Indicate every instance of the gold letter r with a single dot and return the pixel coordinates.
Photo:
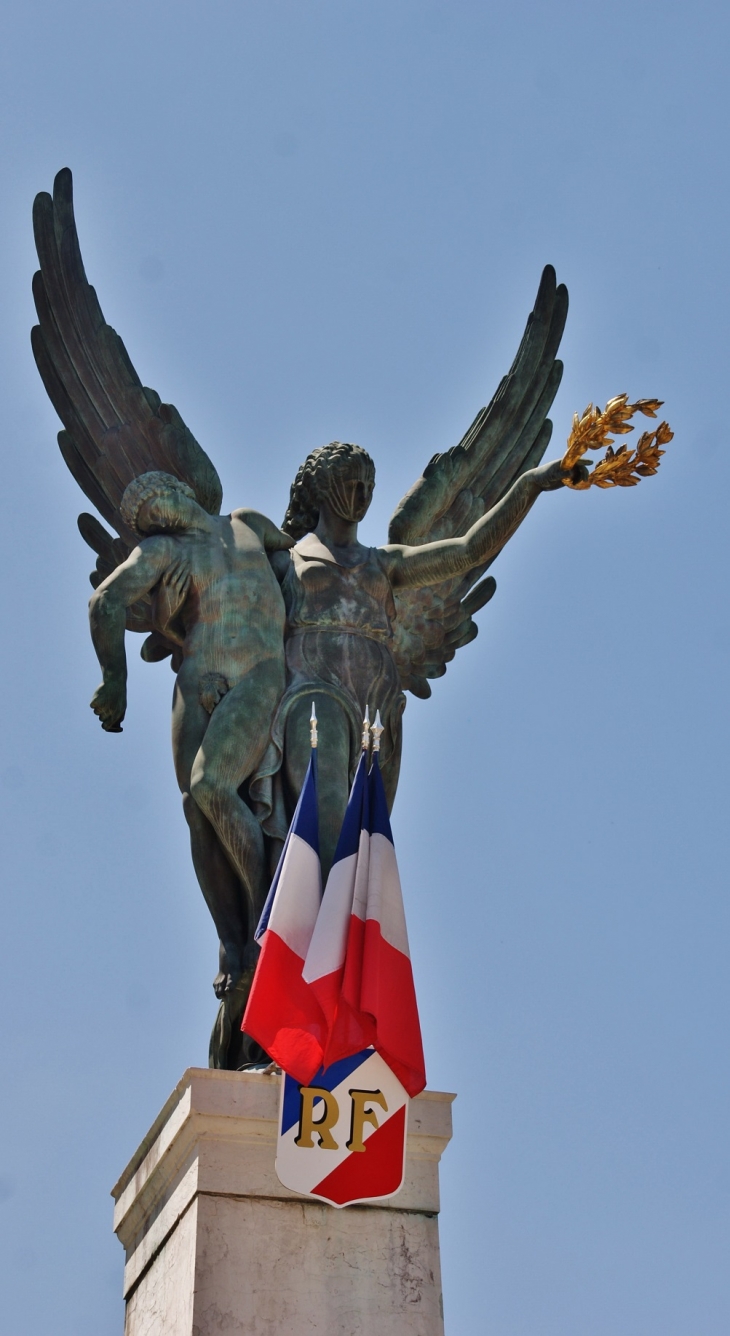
(323, 1126)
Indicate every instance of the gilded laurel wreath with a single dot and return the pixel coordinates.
(595, 430)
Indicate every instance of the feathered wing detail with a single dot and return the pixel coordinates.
(505, 439)
(115, 428)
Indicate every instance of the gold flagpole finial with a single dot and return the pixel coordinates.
(366, 729)
(313, 726)
(377, 730)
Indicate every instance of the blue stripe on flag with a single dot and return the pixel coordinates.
(379, 823)
(327, 1078)
(305, 824)
(355, 814)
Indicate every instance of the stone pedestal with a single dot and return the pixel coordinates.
(214, 1244)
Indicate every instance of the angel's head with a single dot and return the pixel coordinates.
(341, 474)
(158, 503)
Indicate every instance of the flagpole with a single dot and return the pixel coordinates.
(313, 728)
(377, 730)
(366, 729)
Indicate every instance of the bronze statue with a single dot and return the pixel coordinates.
(362, 623)
(216, 597)
(259, 622)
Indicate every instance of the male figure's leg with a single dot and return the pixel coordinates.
(233, 744)
(219, 883)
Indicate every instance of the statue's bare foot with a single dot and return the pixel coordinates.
(221, 984)
(230, 960)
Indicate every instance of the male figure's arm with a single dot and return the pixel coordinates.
(272, 538)
(107, 616)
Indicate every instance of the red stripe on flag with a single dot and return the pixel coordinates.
(350, 1030)
(387, 993)
(282, 1013)
(375, 1172)
(378, 1006)
(327, 989)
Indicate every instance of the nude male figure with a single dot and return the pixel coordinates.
(216, 595)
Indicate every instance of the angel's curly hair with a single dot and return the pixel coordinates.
(312, 482)
(152, 486)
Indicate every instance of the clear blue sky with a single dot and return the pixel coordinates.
(328, 219)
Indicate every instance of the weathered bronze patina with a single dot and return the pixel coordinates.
(215, 596)
(259, 622)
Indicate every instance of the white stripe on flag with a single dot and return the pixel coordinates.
(383, 894)
(327, 948)
(298, 896)
(362, 877)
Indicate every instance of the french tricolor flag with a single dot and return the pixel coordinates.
(358, 964)
(283, 1013)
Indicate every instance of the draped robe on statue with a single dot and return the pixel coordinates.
(339, 636)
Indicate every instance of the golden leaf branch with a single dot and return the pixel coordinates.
(596, 430)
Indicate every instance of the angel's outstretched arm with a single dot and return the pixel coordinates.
(136, 576)
(429, 563)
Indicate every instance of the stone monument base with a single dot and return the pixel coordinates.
(215, 1244)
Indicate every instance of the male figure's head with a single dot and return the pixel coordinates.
(158, 503)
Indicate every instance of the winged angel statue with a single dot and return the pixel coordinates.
(259, 621)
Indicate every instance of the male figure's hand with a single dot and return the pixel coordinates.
(109, 703)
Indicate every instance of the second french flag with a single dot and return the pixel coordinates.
(336, 977)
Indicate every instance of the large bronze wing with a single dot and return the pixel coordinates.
(457, 488)
(115, 428)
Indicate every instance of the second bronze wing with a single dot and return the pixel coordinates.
(505, 439)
